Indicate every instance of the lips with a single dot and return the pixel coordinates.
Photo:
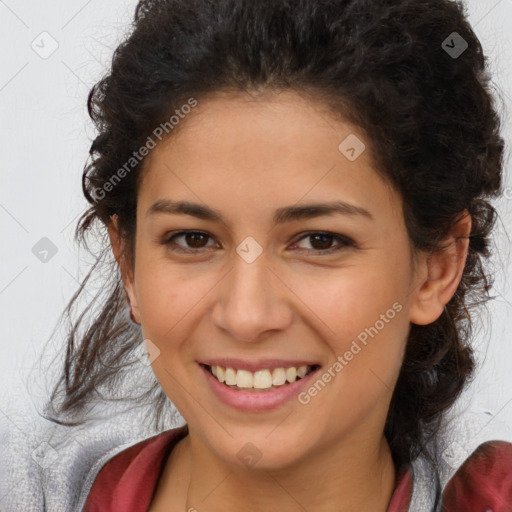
(251, 399)
(261, 364)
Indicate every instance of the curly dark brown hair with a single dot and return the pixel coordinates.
(381, 64)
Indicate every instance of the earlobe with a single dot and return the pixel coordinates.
(117, 245)
(443, 270)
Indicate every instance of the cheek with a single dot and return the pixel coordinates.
(166, 293)
(349, 300)
(362, 318)
(367, 350)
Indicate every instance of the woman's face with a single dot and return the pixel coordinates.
(262, 289)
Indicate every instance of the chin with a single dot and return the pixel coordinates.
(261, 451)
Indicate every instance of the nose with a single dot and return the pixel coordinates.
(253, 301)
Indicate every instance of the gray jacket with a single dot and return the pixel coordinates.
(49, 467)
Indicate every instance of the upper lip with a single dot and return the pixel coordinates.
(261, 364)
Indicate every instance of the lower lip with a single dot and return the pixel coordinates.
(256, 401)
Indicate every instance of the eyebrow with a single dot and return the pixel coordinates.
(281, 215)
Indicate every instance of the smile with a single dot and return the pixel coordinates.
(261, 388)
(261, 380)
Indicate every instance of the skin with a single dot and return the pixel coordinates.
(246, 157)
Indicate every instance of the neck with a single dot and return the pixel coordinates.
(343, 478)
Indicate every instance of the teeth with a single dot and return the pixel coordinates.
(261, 379)
(230, 377)
(244, 379)
(291, 374)
(278, 376)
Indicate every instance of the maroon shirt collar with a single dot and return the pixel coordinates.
(128, 480)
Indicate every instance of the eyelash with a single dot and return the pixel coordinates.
(346, 242)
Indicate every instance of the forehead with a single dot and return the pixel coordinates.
(276, 148)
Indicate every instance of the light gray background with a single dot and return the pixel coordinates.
(45, 136)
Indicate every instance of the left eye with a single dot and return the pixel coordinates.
(325, 239)
(195, 240)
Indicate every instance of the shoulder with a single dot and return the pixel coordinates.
(128, 479)
(483, 482)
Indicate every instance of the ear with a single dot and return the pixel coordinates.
(440, 274)
(117, 243)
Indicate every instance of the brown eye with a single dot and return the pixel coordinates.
(321, 242)
(194, 240)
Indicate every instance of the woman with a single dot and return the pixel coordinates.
(297, 198)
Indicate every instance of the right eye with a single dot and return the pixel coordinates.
(195, 238)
